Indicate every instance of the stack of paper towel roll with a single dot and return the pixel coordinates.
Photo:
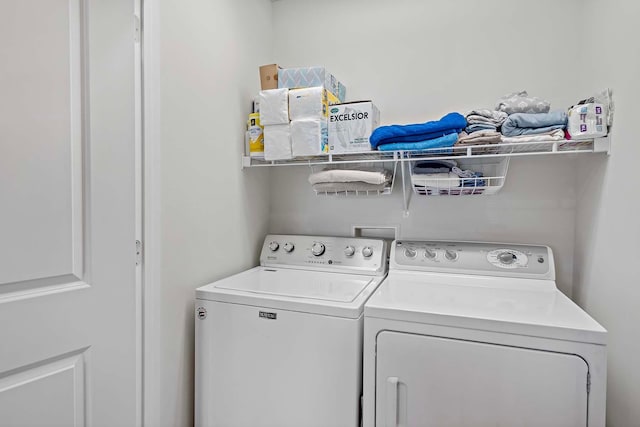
(295, 122)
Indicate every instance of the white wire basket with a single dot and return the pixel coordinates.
(493, 170)
(387, 190)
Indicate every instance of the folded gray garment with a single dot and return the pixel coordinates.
(486, 116)
(368, 175)
(342, 187)
(521, 102)
(531, 124)
(479, 138)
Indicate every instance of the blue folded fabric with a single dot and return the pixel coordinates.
(531, 123)
(451, 123)
(479, 126)
(443, 141)
(473, 182)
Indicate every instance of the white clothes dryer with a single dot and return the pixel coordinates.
(477, 334)
(281, 344)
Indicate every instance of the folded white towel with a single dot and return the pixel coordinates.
(436, 180)
(370, 176)
(554, 135)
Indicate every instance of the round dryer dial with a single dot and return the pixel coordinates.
(507, 258)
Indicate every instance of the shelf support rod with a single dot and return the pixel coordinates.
(405, 194)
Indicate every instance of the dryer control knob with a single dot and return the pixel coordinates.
(451, 255)
(410, 253)
(430, 253)
(289, 247)
(274, 246)
(367, 251)
(349, 251)
(317, 248)
(507, 258)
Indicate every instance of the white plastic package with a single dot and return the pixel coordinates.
(307, 103)
(309, 137)
(277, 142)
(587, 121)
(274, 107)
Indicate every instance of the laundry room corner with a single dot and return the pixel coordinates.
(608, 208)
(207, 217)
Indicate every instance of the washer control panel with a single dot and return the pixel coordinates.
(337, 254)
(496, 259)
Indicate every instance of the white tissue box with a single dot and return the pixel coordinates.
(351, 125)
(274, 107)
(277, 142)
(309, 137)
(310, 103)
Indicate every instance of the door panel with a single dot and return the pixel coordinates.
(431, 381)
(55, 390)
(68, 310)
(40, 131)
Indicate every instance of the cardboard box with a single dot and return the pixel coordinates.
(269, 76)
(294, 78)
(351, 125)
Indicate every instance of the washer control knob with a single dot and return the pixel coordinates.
(410, 253)
(289, 247)
(451, 255)
(429, 253)
(317, 248)
(274, 246)
(367, 252)
(349, 251)
(507, 258)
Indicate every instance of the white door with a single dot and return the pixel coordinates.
(430, 381)
(68, 319)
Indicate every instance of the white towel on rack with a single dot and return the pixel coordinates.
(436, 180)
(554, 135)
(342, 187)
(370, 176)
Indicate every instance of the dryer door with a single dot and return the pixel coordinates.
(432, 381)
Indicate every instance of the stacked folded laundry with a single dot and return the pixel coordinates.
(421, 136)
(530, 119)
(443, 176)
(478, 120)
(351, 180)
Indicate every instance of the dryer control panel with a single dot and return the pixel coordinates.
(335, 254)
(494, 259)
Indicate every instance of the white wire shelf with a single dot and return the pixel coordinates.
(493, 176)
(598, 145)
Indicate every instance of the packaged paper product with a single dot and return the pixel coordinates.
(310, 103)
(309, 137)
(277, 142)
(351, 125)
(587, 121)
(300, 77)
(274, 107)
(256, 137)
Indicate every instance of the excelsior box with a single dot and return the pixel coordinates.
(351, 125)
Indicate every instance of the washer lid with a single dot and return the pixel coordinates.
(486, 303)
(300, 290)
(299, 284)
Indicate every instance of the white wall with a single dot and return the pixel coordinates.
(417, 61)
(608, 210)
(213, 215)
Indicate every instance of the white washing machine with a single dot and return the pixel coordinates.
(477, 334)
(281, 344)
